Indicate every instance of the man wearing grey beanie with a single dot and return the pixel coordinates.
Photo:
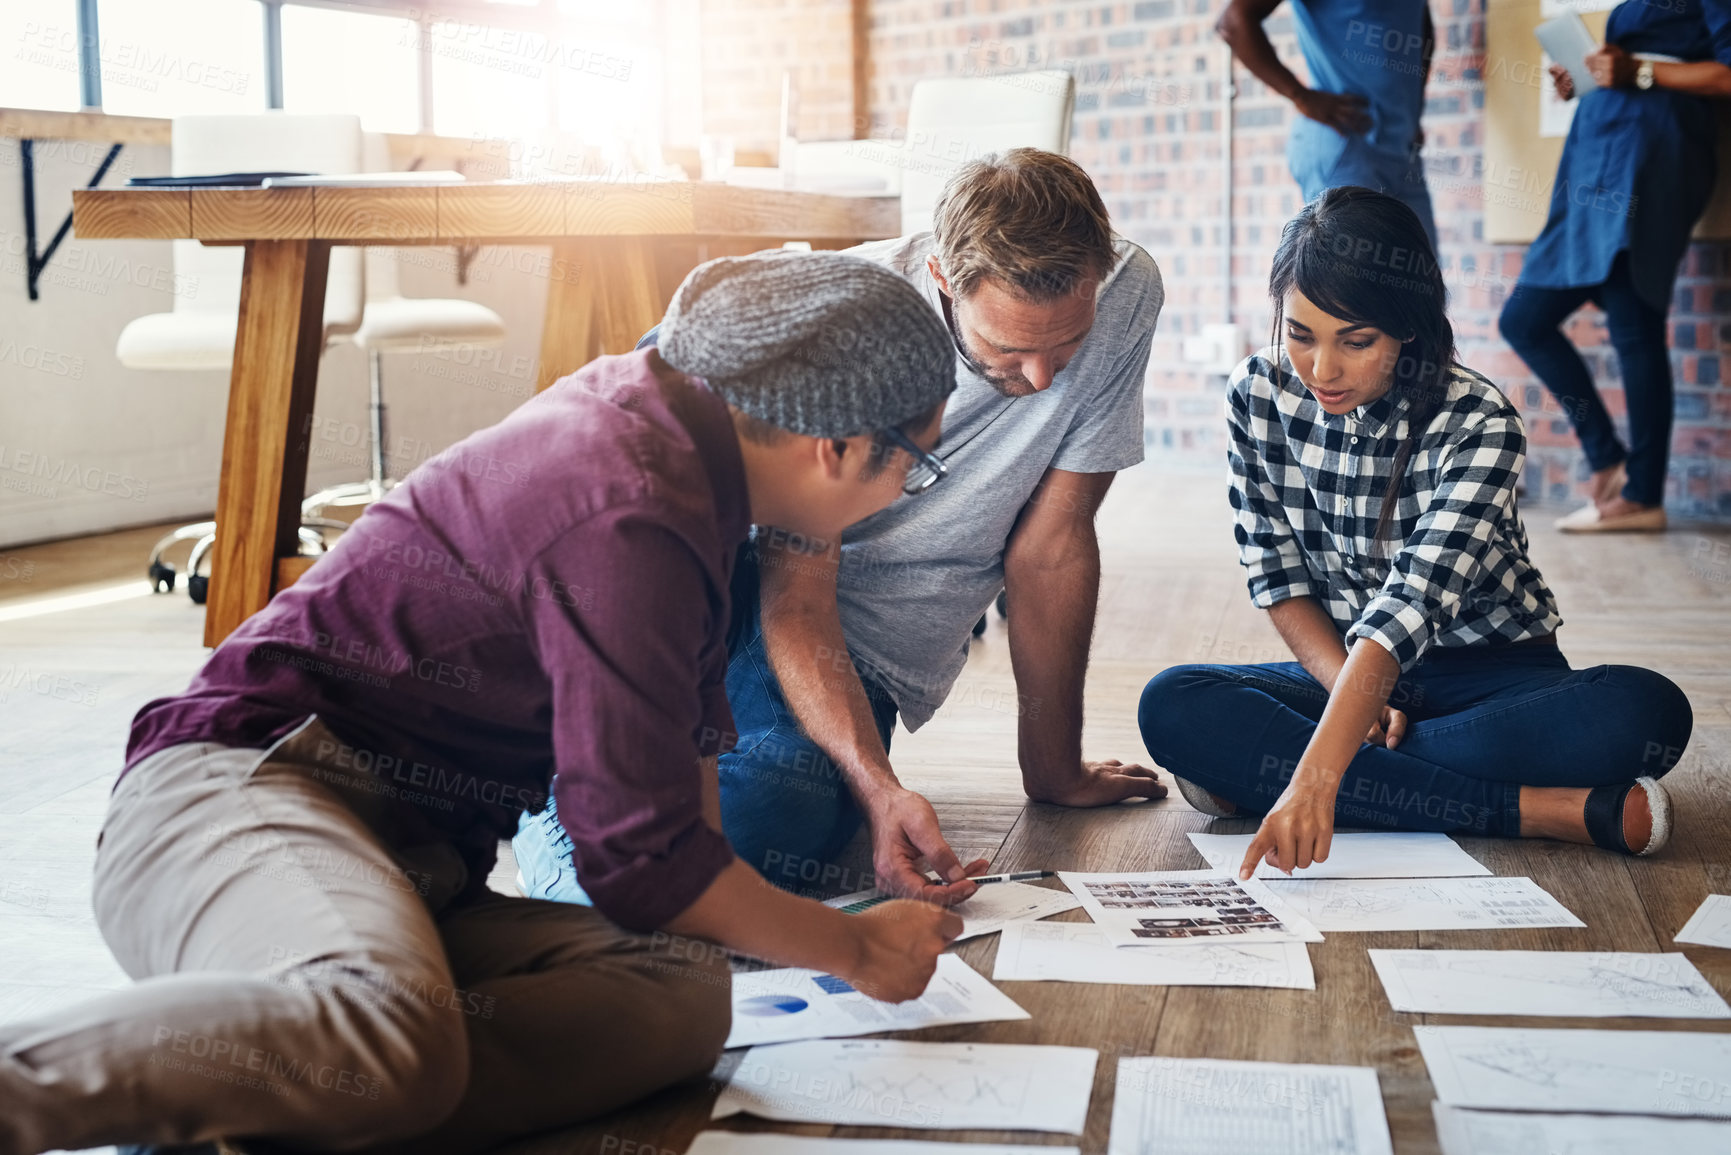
(294, 862)
(1050, 318)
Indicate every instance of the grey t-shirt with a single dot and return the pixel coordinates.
(915, 577)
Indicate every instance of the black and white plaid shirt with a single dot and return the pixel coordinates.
(1306, 492)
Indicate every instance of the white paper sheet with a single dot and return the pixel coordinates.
(779, 1006)
(1710, 925)
(1220, 1107)
(1627, 1072)
(1462, 1132)
(775, 1143)
(1168, 908)
(1367, 904)
(1591, 984)
(1381, 854)
(891, 1083)
(986, 913)
(1079, 952)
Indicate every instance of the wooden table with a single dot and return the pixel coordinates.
(618, 248)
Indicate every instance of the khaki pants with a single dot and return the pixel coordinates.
(304, 973)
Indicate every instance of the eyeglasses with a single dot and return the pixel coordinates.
(928, 468)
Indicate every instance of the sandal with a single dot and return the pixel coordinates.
(1604, 815)
(1203, 801)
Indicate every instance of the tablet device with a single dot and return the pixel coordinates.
(1566, 39)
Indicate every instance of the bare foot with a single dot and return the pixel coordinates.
(1606, 484)
(1619, 506)
(1560, 813)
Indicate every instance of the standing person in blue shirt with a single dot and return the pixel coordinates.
(1636, 173)
(1368, 65)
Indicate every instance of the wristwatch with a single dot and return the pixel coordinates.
(1644, 75)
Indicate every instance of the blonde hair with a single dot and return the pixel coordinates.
(1029, 218)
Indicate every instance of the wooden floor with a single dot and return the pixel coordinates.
(1172, 593)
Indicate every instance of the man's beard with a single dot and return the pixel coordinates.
(1012, 386)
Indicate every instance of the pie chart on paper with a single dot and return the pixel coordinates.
(770, 1006)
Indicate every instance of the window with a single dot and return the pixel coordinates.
(608, 89)
(173, 57)
(489, 80)
(39, 48)
(335, 61)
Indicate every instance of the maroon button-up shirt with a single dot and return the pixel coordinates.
(541, 607)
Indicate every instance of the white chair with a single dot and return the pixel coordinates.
(199, 332)
(393, 323)
(953, 121)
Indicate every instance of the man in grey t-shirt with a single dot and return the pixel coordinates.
(1052, 317)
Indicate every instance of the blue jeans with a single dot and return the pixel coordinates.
(1322, 161)
(1530, 323)
(785, 806)
(1483, 722)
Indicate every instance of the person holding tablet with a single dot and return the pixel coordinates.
(1373, 484)
(1636, 172)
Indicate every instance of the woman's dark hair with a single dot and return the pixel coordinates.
(1364, 257)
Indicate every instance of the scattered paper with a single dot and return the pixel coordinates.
(779, 1006)
(992, 906)
(1461, 1132)
(1366, 904)
(1181, 907)
(1628, 1072)
(1220, 1107)
(1590, 984)
(774, 1143)
(890, 1083)
(1381, 854)
(1710, 925)
(1079, 952)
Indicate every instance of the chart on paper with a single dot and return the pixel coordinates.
(1628, 1072)
(1079, 952)
(1594, 984)
(1223, 1107)
(778, 1006)
(888, 1082)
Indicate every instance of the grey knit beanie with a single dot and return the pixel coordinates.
(822, 344)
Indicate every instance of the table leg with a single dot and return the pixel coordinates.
(264, 450)
(632, 303)
(570, 335)
(604, 293)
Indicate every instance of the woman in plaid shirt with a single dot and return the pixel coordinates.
(1373, 482)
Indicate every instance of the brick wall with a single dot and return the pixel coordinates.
(748, 45)
(1148, 129)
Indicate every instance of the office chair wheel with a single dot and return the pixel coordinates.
(1003, 603)
(980, 626)
(198, 587)
(161, 576)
